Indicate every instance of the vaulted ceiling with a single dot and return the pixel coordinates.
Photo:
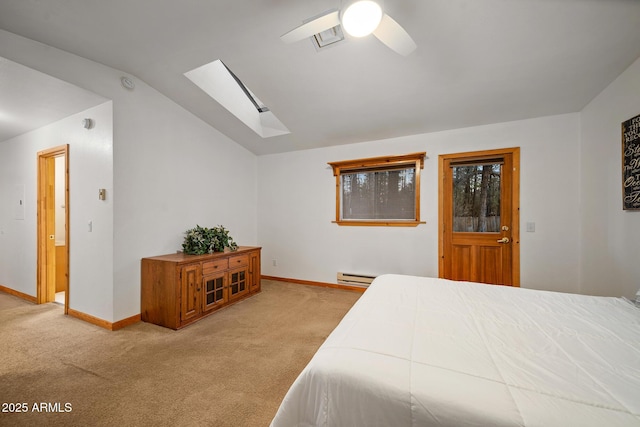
(477, 61)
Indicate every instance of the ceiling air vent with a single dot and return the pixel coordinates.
(328, 37)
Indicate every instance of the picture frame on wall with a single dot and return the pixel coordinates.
(631, 163)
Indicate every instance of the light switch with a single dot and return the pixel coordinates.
(90, 226)
(18, 196)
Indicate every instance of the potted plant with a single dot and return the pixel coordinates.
(203, 240)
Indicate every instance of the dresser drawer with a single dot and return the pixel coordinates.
(238, 261)
(210, 267)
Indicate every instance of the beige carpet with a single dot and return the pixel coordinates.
(230, 369)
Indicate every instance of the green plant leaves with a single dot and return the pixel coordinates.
(203, 240)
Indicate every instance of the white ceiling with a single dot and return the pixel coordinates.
(30, 99)
(477, 61)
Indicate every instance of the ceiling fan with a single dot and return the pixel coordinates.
(359, 19)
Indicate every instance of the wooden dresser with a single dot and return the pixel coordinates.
(178, 289)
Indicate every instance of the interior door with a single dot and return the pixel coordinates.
(47, 259)
(479, 217)
(50, 229)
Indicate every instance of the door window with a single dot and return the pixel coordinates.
(476, 197)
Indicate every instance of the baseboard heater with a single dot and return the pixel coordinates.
(355, 279)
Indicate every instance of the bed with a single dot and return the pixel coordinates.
(416, 351)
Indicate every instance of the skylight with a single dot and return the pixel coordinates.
(220, 83)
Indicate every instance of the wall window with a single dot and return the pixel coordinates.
(379, 190)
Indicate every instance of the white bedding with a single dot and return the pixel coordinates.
(417, 351)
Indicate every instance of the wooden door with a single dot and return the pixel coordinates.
(238, 283)
(190, 291)
(47, 263)
(215, 290)
(479, 216)
(50, 228)
(254, 271)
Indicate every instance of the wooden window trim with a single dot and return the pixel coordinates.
(373, 163)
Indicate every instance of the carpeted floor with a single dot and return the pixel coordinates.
(230, 369)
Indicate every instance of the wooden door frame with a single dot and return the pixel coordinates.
(43, 215)
(515, 207)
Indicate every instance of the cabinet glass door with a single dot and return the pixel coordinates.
(238, 283)
(215, 292)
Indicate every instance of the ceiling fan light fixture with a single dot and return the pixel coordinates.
(361, 18)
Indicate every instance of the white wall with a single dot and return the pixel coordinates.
(610, 235)
(296, 204)
(90, 261)
(171, 171)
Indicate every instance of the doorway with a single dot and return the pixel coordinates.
(479, 211)
(53, 226)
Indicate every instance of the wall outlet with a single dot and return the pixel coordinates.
(275, 263)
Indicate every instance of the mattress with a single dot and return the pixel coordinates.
(417, 351)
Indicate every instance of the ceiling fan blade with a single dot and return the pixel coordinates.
(394, 36)
(310, 28)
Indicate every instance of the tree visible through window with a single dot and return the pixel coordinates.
(386, 194)
(379, 191)
(476, 198)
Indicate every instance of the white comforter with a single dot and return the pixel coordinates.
(417, 351)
